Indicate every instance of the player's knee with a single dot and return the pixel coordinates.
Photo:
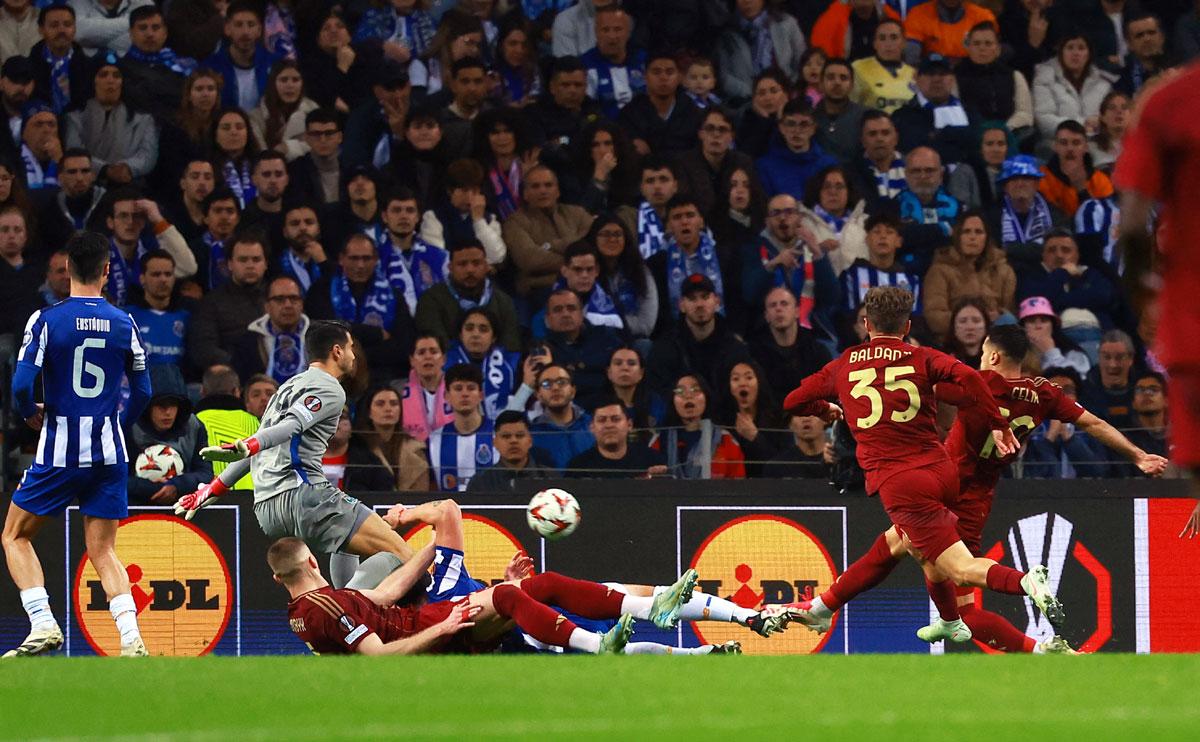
(505, 598)
(10, 538)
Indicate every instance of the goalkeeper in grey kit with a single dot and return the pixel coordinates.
(292, 497)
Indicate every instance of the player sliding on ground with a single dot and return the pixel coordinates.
(81, 346)
(292, 497)
(1026, 403)
(368, 621)
(886, 387)
(452, 581)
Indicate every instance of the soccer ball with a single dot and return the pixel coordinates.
(158, 463)
(553, 514)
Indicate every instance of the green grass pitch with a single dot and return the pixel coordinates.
(823, 697)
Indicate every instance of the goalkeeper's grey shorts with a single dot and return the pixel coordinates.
(321, 514)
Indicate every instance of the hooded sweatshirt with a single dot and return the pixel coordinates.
(187, 436)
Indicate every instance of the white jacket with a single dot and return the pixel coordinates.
(853, 238)
(293, 129)
(1055, 99)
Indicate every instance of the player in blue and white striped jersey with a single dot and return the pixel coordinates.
(462, 446)
(81, 347)
(881, 267)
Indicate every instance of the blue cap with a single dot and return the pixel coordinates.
(1021, 166)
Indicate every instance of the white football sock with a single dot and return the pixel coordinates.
(711, 608)
(637, 606)
(124, 612)
(656, 648)
(1038, 648)
(37, 604)
(584, 641)
(818, 608)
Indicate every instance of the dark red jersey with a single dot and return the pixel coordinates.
(333, 621)
(1160, 159)
(1025, 402)
(885, 388)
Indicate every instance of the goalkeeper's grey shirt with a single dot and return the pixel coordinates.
(296, 428)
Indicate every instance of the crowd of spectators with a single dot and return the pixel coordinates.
(584, 236)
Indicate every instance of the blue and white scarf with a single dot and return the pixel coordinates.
(304, 271)
(123, 274)
(411, 272)
(703, 101)
(836, 223)
(514, 85)
(499, 369)
(286, 354)
(599, 308)
(890, 183)
(507, 189)
(218, 265)
(37, 176)
(758, 31)
(950, 113)
(942, 212)
(1034, 227)
(239, 182)
(623, 291)
(680, 266)
(165, 57)
(415, 30)
(378, 308)
(651, 237)
(464, 303)
(60, 81)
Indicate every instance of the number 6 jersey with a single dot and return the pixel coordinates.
(885, 388)
(82, 346)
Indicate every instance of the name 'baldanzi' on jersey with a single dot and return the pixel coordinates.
(877, 352)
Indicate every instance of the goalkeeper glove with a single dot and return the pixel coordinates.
(230, 452)
(187, 505)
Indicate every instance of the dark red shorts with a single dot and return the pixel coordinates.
(917, 503)
(1183, 399)
(972, 507)
(431, 614)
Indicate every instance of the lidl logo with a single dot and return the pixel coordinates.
(179, 582)
(761, 559)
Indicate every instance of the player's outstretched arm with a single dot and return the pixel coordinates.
(460, 618)
(187, 506)
(265, 438)
(1150, 464)
(811, 397)
(396, 585)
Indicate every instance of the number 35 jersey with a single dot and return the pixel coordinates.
(1025, 402)
(83, 347)
(885, 388)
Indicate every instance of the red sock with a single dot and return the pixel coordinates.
(1004, 580)
(993, 630)
(868, 571)
(943, 596)
(588, 599)
(539, 621)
